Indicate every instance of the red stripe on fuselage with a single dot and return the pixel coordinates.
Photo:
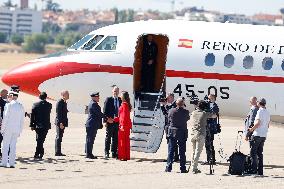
(30, 75)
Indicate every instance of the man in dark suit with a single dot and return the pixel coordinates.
(40, 122)
(249, 122)
(177, 134)
(61, 121)
(94, 122)
(3, 101)
(166, 107)
(111, 107)
(149, 56)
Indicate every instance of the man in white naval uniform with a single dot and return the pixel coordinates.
(12, 126)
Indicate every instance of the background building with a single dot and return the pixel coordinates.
(20, 21)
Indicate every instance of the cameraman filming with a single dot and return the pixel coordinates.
(166, 105)
(213, 127)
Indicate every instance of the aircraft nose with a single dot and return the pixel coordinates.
(27, 76)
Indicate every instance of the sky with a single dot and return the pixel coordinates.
(248, 7)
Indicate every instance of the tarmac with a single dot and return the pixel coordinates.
(142, 171)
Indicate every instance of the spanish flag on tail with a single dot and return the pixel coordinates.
(185, 43)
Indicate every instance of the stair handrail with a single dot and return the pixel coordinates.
(159, 96)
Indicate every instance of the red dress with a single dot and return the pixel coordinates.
(124, 132)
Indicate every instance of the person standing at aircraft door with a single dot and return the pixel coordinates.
(177, 134)
(111, 107)
(93, 123)
(40, 122)
(12, 126)
(3, 101)
(165, 107)
(149, 55)
(124, 127)
(61, 121)
(212, 129)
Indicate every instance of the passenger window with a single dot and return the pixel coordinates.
(267, 63)
(248, 62)
(210, 59)
(282, 65)
(229, 60)
(108, 44)
(92, 42)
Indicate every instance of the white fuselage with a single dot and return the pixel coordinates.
(186, 68)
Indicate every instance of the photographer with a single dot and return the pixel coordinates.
(249, 122)
(213, 127)
(198, 122)
(166, 105)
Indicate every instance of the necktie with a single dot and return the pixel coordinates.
(115, 105)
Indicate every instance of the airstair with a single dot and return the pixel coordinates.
(148, 123)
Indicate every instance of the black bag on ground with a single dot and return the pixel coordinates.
(237, 163)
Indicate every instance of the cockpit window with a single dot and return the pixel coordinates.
(108, 44)
(81, 42)
(92, 42)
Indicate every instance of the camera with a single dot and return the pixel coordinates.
(193, 99)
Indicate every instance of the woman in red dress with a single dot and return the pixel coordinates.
(124, 127)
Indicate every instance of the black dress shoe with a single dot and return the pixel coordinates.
(168, 171)
(106, 156)
(12, 167)
(184, 171)
(36, 157)
(114, 156)
(91, 156)
(59, 154)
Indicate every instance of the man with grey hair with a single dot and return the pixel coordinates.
(111, 107)
(61, 121)
(166, 105)
(177, 134)
(249, 122)
(259, 133)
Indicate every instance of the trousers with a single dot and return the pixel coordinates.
(40, 138)
(111, 138)
(197, 147)
(58, 139)
(9, 142)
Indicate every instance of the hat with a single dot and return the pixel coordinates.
(95, 94)
(14, 90)
(262, 101)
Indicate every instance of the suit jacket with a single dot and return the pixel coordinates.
(95, 116)
(149, 52)
(40, 116)
(2, 105)
(109, 109)
(178, 118)
(61, 113)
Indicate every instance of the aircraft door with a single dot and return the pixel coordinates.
(148, 119)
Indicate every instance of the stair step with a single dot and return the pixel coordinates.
(138, 139)
(143, 124)
(144, 116)
(141, 132)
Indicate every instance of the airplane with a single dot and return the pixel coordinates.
(195, 58)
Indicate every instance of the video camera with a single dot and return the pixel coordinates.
(193, 99)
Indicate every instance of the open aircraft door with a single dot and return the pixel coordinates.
(148, 119)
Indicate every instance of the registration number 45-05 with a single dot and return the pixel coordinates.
(191, 90)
